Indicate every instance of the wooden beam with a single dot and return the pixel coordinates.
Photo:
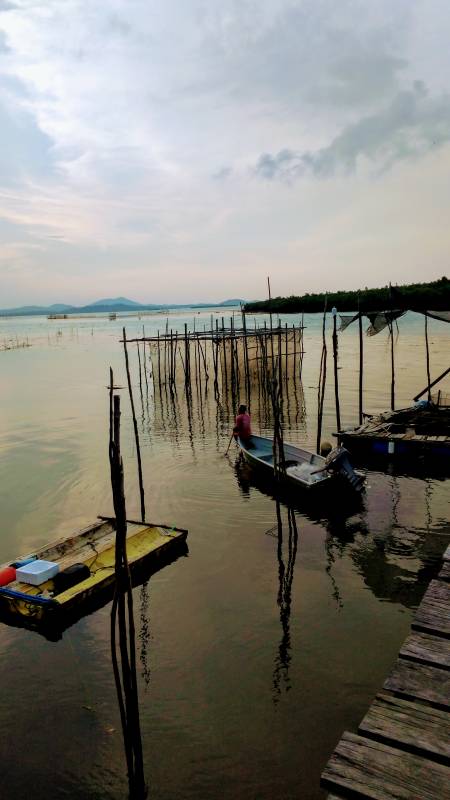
(363, 768)
(433, 616)
(427, 649)
(430, 385)
(420, 682)
(415, 727)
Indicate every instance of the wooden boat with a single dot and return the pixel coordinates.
(303, 469)
(149, 547)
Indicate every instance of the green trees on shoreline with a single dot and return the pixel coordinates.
(414, 296)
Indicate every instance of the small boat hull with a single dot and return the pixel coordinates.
(149, 548)
(304, 470)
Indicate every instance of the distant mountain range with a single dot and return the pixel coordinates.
(109, 304)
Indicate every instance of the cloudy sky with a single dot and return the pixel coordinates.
(184, 150)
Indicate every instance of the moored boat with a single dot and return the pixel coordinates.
(303, 469)
(85, 573)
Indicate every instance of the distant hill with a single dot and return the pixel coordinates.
(107, 305)
(116, 301)
(235, 302)
(60, 308)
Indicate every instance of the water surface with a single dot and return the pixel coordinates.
(255, 652)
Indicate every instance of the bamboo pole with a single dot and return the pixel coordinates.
(159, 364)
(126, 678)
(361, 366)
(428, 358)
(391, 331)
(335, 364)
(136, 432)
(145, 360)
(433, 383)
(322, 381)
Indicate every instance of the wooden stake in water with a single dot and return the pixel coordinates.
(136, 432)
(122, 613)
(361, 366)
(335, 364)
(322, 381)
(391, 330)
(428, 358)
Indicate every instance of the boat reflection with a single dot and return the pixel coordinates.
(395, 561)
(337, 508)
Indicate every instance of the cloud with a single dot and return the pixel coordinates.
(412, 124)
(222, 174)
(128, 127)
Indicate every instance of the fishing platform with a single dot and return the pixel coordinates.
(419, 430)
(402, 748)
(81, 577)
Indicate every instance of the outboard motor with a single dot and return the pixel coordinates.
(338, 461)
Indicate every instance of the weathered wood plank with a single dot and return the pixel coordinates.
(433, 614)
(444, 574)
(427, 649)
(416, 727)
(446, 555)
(365, 768)
(420, 682)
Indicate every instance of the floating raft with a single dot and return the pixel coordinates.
(149, 547)
(402, 749)
(411, 431)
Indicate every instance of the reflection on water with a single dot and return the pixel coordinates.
(145, 635)
(286, 564)
(256, 651)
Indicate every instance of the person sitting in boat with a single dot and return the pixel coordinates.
(242, 427)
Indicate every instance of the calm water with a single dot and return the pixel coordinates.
(255, 653)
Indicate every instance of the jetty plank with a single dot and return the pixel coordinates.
(368, 769)
(427, 649)
(444, 574)
(433, 613)
(446, 555)
(415, 727)
(420, 682)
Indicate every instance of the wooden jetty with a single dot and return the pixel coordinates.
(402, 748)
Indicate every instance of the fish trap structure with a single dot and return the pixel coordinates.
(236, 359)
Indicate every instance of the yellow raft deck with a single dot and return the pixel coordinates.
(149, 547)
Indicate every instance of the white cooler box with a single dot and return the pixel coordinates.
(37, 572)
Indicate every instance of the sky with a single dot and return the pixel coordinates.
(183, 151)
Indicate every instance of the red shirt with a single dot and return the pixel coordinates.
(243, 428)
